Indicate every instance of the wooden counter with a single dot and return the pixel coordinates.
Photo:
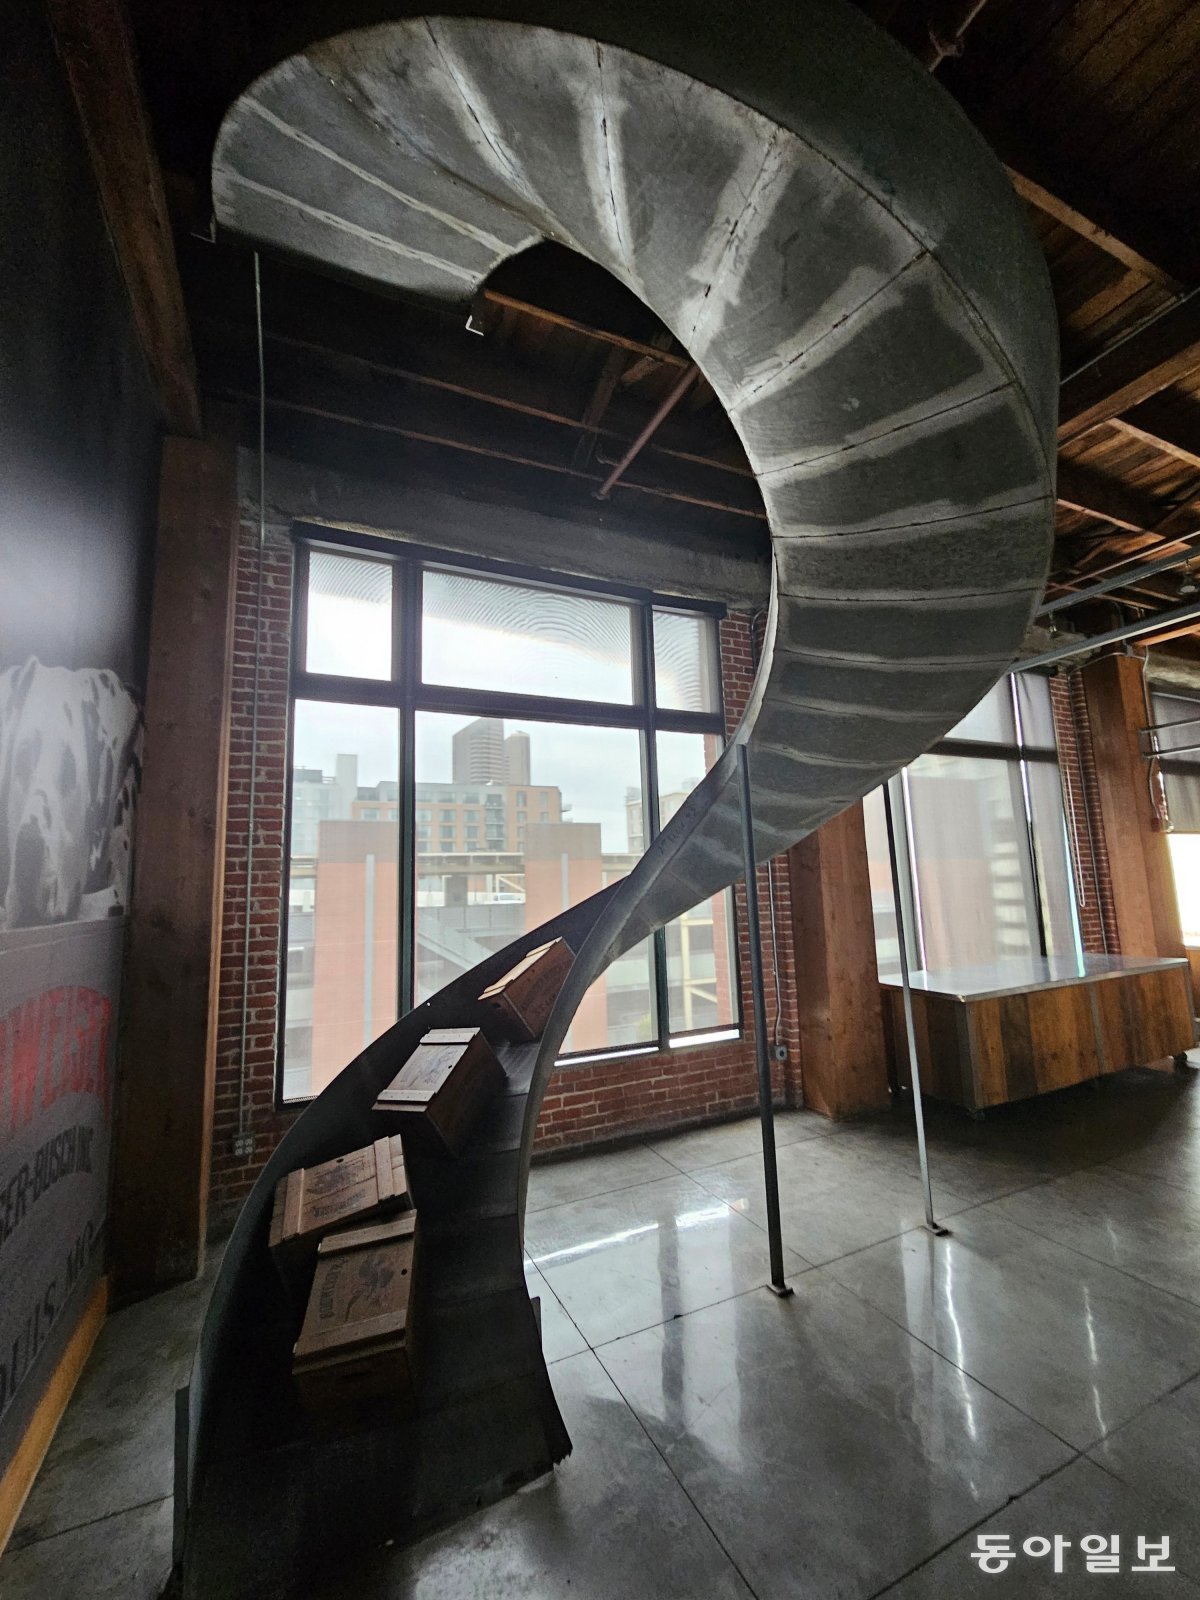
(987, 1035)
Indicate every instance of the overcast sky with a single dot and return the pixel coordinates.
(586, 658)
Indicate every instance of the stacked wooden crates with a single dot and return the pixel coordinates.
(345, 1235)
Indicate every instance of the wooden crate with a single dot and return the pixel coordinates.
(312, 1201)
(357, 1343)
(444, 1085)
(519, 1003)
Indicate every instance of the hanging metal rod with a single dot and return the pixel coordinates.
(1121, 581)
(1131, 630)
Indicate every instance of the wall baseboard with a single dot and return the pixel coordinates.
(18, 1478)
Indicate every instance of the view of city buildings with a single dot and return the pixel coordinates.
(495, 855)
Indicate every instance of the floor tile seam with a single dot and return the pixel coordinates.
(1136, 1416)
(682, 1316)
(894, 1583)
(90, 1522)
(600, 1194)
(808, 1266)
(654, 1445)
(621, 1189)
(1151, 1177)
(805, 1264)
(1133, 1277)
(950, 1362)
(558, 1300)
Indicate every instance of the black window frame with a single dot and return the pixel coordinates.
(1017, 753)
(407, 693)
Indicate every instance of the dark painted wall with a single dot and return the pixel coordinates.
(79, 445)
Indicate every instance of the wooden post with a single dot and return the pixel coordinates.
(842, 1051)
(166, 1075)
(1143, 887)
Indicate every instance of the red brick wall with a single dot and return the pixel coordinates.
(1093, 883)
(233, 1174)
(585, 1104)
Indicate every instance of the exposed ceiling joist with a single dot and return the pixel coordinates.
(96, 48)
(638, 347)
(1119, 248)
(1099, 496)
(324, 407)
(1182, 631)
(1132, 370)
(1159, 426)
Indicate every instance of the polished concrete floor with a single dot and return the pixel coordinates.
(1034, 1374)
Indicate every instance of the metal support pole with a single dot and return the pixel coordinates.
(762, 1057)
(914, 1066)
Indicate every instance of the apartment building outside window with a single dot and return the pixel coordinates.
(540, 722)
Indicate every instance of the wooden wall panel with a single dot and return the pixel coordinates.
(165, 1083)
(843, 1059)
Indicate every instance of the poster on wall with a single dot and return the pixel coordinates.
(70, 763)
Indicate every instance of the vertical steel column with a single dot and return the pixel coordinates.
(914, 1066)
(766, 1106)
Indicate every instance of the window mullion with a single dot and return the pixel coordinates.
(644, 660)
(407, 656)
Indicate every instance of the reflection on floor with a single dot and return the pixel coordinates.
(1036, 1374)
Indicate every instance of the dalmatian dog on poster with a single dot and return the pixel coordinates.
(70, 764)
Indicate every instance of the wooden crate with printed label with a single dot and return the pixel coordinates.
(358, 1340)
(357, 1187)
(519, 1004)
(444, 1086)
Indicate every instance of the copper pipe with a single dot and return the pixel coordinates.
(487, 397)
(639, 347)
(350, 419)
(643, 438)
(947, 41)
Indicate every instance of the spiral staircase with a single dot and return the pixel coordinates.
(818, 224)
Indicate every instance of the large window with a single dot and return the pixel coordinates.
(984, 862)
(474, 751)
(1177, 739)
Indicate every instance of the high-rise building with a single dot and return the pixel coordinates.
(482, 754)
(478, 752)
(516, 758)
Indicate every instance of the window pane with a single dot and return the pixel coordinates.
(973, 875)
(349, 616)
(685, 661)
(701, 972)
(538, 848)
(991, 721)
(1184, 713)
(1037, 714)
(879, 871)
(478, 633)
(1056, 884)
(342, 889)
(1185, 859)
(1180, 773)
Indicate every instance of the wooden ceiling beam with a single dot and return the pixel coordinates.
(225, 343)
(1132, 370)
(1120, 249)
(1097, 495)
(326, 409)
(95, 44)
(637, 347)
(1186, 630)
(1158, 426)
